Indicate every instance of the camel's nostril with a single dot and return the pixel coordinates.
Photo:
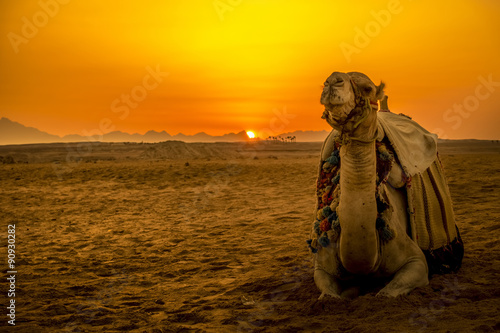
(339, 83)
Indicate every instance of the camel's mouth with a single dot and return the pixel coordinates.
(334, 119)
(326, 112)
(330, 113)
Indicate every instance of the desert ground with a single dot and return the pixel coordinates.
(175, 237)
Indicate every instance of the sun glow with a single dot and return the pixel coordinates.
(251, 134)
(136, 67)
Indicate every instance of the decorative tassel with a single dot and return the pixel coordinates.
(334, 205)
(327, 211)
(324, 197)
(336, 180)
(319, 215)
(332, 217)
(312, 249)
(314, 243)
(385, 233)
(316, 227)
(336, 226)
(324, 241)
(385, 155)
(334, 158)
(327, 166)
(325, 225)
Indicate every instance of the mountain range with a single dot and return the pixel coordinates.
(12, 132)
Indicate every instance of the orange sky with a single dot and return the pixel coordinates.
(72, 66)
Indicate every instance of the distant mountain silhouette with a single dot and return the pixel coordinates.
(12, 132)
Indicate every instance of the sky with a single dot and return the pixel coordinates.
(219, 66)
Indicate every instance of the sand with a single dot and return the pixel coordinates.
(177, 237)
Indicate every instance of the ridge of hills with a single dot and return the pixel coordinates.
(12, 132)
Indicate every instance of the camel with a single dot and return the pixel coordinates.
(361, 231)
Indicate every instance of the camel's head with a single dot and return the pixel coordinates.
(347, 95)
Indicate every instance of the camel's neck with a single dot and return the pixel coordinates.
(358, 207)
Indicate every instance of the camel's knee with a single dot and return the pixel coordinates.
(326, 283)
(412, 275)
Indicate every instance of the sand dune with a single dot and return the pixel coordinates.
(129, 238)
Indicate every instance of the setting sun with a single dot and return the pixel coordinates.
(251, 134)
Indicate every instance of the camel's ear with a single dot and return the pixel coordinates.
(380, 91)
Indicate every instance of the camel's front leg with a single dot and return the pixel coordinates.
(325, 261)
(412, 275)
(326, 283)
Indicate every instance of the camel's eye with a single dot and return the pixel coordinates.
(367, 89)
